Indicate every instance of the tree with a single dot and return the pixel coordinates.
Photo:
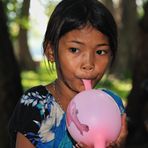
(137, 108)
(25, 58)
(10, 82)
(18, 17)
(127, 38)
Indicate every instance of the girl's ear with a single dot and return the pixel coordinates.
(49, 53)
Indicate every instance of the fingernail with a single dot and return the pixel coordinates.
(80, 144)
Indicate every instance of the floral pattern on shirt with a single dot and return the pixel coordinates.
(47, 119)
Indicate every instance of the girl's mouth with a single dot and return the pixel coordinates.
(87, 84)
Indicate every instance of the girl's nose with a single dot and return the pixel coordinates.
(88, 63)
(88, 67)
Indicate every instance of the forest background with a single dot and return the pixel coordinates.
(22, 64)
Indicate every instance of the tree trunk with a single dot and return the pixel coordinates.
(10, 82)
(25, 59)
(137, 108)
(127, 38)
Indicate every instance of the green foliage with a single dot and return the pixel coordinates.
(121, 87)
(45, 75)
(15, 18)
(42, 76)
(50, 8)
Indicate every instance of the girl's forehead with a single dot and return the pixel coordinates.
(85, 29)
(85, 33)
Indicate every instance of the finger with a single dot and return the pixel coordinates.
(79, 145)
(124, 125)
(76, 146)
(123, 119)
(123, 132)
(112, 145)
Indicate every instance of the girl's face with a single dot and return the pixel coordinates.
(83, 54)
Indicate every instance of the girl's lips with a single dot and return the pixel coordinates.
(87, 84)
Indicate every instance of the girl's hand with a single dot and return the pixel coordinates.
(81, 145)
(121, 139)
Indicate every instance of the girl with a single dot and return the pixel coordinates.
(81, 38)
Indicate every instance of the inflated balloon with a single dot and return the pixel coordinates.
(93, 118)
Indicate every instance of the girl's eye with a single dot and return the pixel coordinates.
(74, 50)
(101, 52)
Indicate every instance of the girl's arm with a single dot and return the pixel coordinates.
(22, 141)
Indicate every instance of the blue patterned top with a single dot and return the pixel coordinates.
(40, 119)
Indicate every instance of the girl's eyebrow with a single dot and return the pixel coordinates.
(77, 42)
(103, 44)
(81, 43)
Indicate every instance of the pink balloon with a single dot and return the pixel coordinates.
(93, 118)
(87, 84)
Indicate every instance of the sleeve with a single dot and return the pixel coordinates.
(117, 99)
(26, 118)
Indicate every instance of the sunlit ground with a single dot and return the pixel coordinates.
(44, 75)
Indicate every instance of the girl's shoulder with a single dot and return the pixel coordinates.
(37, 98)
(116, 98)
(40, 89)
(35, 116)
(37, 94)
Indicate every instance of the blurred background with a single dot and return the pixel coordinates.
(23, 65)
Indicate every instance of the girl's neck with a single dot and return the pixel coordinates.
(61, 92)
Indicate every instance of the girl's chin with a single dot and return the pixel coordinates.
(82, 89)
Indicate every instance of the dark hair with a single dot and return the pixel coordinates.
(75, 14)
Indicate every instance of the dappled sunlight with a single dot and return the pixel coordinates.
(42, 76)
